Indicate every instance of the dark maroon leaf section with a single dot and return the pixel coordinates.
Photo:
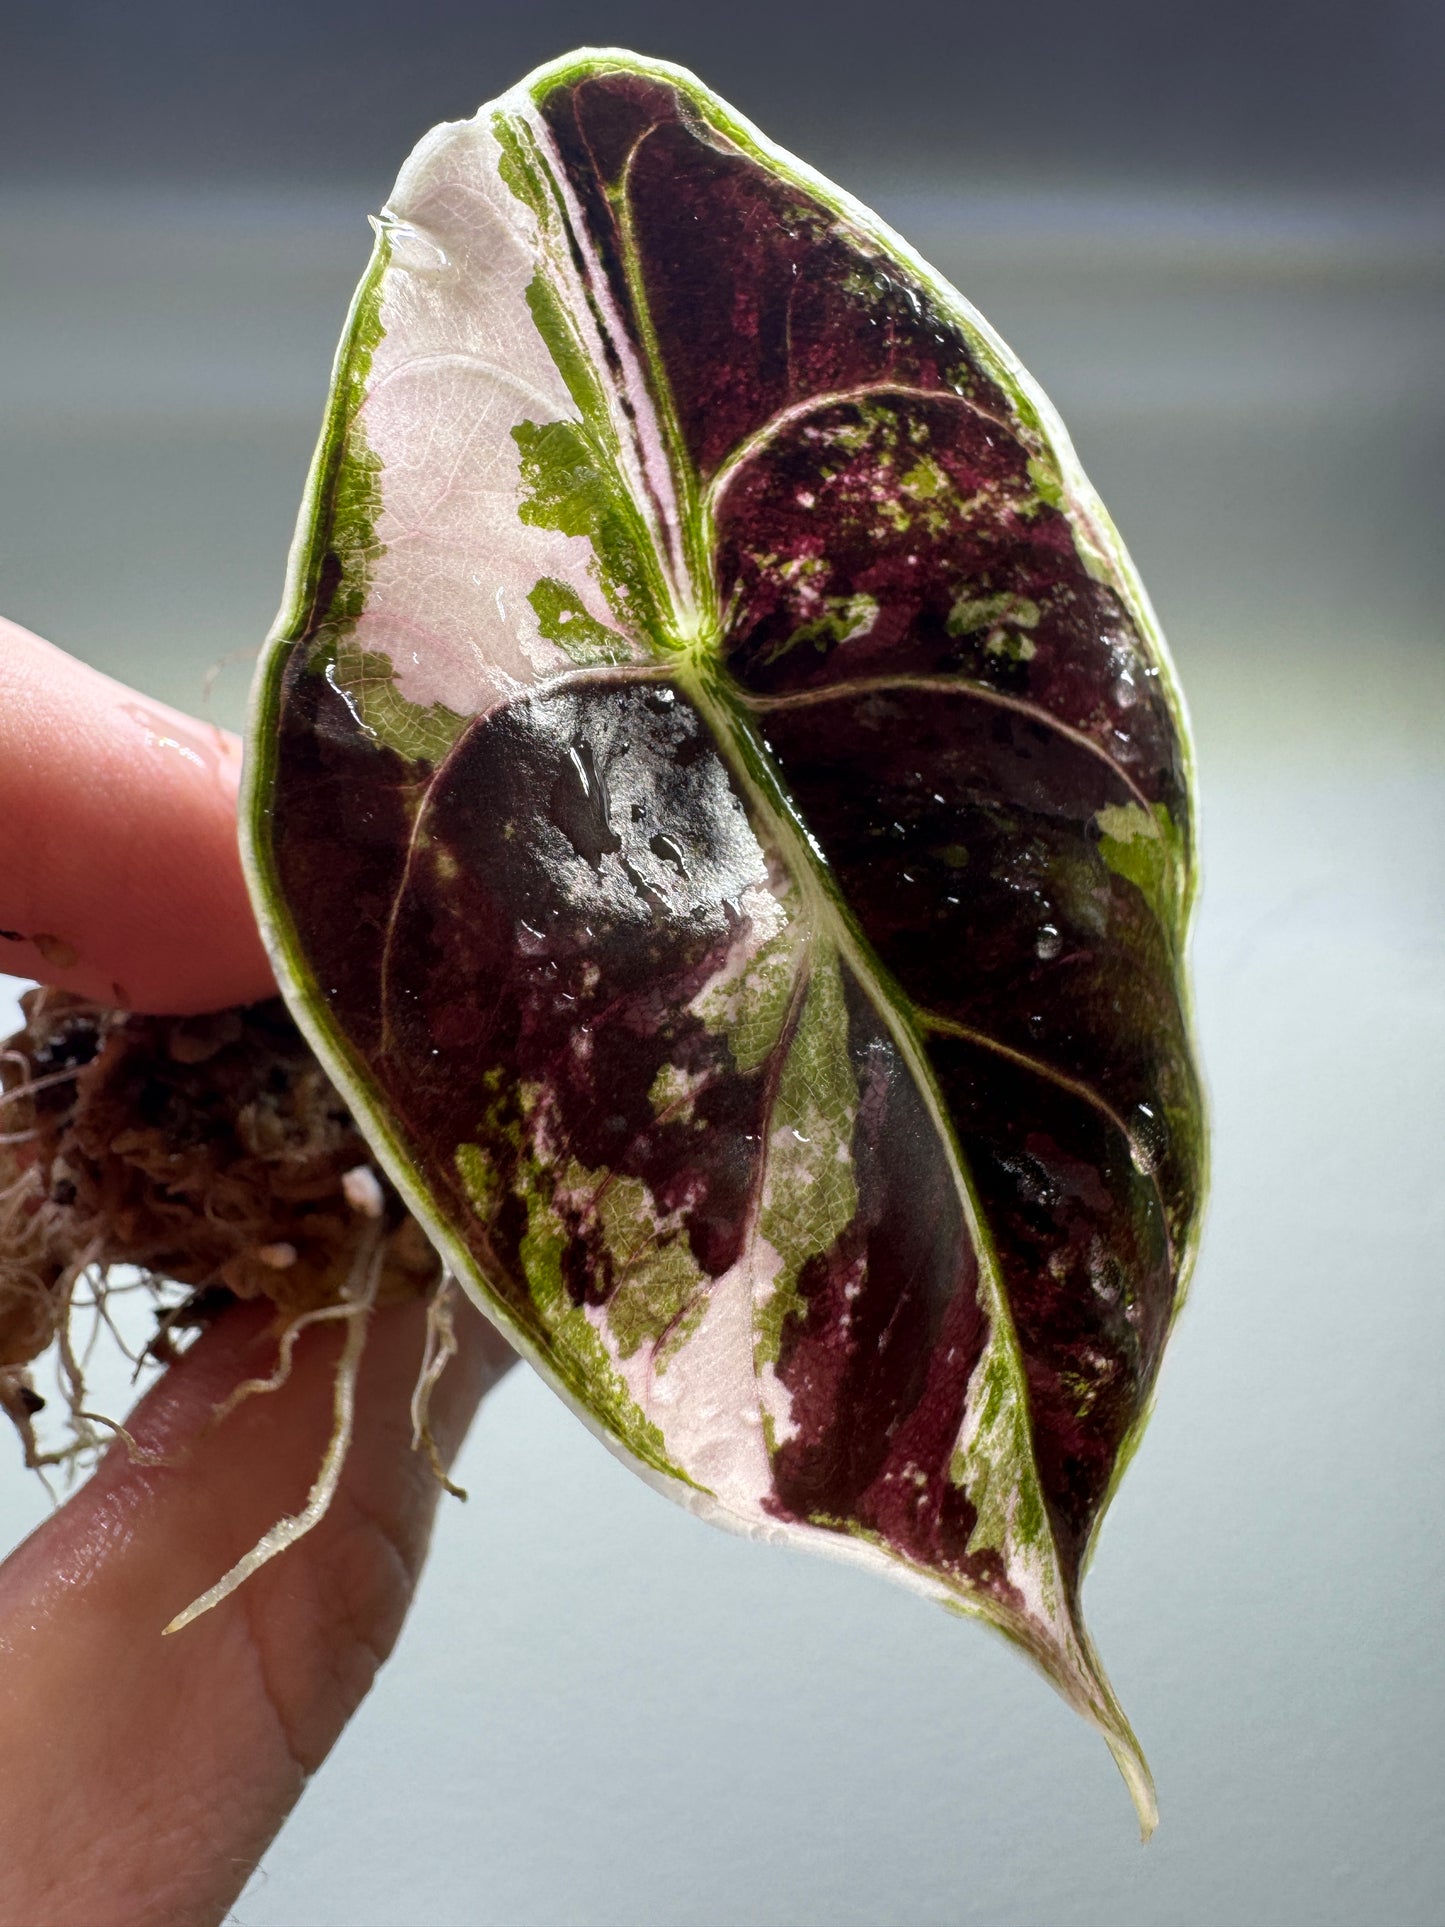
(759, 298)
(954, 829)
(878, 1362)
(921, 517)
(960, 853)
(502, 943)
(951, 696)
(534, 938)
(761, 301)
(1086, 1263)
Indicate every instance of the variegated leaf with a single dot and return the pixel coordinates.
(719, 807)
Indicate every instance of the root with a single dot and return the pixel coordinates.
(440, 1349)
(139, 1454)
(199, 1161)
(210, 1153)
(71, 1367)
(20, 1402)
(358, 1308)
(286, 1352)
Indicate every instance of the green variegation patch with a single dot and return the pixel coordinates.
(843, 618)
(750, 1007)
(809, 1196)
(367, 680)
(973, 612)
(582, 1356)
(1144, 847)
(353, 501)
(992, 1462)
(562, 619)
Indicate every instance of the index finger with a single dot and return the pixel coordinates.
(120, 876)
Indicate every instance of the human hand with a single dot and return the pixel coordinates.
(141, 1778)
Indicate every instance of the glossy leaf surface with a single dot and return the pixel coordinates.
(719, 808)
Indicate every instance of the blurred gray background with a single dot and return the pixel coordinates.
(1217, 235)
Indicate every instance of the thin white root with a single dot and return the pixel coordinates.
(85, 1439)
(440, 1349)
(357, 1311)
(31, 1084)
(138, 1453)
(286, 1352)
(100, 1305)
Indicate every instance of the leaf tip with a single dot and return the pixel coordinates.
(1078, 1674)
(1139, 1780)
(1108, 1716)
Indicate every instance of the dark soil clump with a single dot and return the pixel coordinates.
(212, 1151)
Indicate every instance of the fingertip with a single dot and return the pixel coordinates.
(120, 870)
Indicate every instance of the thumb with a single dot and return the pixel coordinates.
(144, 1776)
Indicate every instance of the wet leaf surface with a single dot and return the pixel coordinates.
(721, 812)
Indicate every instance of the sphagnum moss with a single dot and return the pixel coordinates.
(209, 1153)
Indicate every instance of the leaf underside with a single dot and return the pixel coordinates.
(719, 806)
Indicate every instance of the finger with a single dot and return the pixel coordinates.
(145, 1775)
(120, 876)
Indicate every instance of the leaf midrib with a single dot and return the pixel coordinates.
(696, 671)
